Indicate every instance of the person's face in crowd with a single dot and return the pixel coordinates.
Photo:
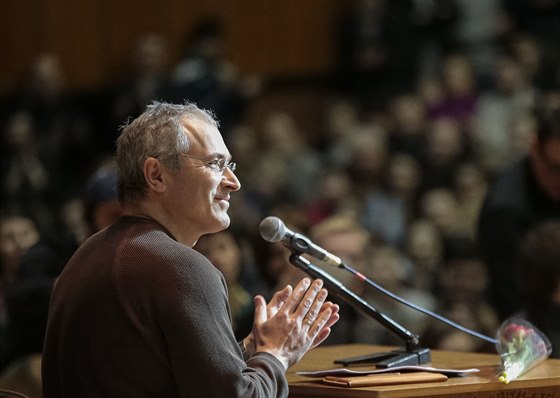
(19, 133)
(350, 246)
(521, 134)
(276, 261)
(464, 280)
(47, 77)
(440, 206)
(223, 251)
(151, 55)
(388, 269)
(335, 186)
(17, 234)
(444, 141)
(469, 180)
(341, 119)
(199, 192)
(509, 75)
(404, 175)
(546, 165)
(409, 113)
(424, 243)
(458, 75)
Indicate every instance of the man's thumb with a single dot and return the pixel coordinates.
(260, 310)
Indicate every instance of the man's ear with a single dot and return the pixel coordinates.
(154, 174)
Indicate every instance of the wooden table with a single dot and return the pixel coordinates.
(543, 381)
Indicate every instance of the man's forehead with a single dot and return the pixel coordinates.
(202, 133)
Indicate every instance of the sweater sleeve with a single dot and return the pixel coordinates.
(190, 302)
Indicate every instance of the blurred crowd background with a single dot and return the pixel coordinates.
(384, 160)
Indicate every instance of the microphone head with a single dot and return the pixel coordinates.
(272, 229)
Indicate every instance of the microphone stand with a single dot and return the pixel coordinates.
(412, 354)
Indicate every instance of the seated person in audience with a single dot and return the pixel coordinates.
(539, 259)
(343, 236)
(225, 254)
(17, 234)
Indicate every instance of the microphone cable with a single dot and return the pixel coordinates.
(423, 310)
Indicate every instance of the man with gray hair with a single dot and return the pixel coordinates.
(138, 313)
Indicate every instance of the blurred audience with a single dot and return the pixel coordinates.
(424, 247)
(441, 207)
(377, 49)
(148, 78)
(25, 174)
(205, 76)
(471, 185)
(391, 270)
(460, 92)
(462, 282)
(36, 259)
(403, 180)
(346, 238)
(57, 133)
(446, 147)
(497, 107)
(409, 127)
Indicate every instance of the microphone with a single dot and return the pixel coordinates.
(272, 229)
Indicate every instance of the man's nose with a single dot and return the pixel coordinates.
(231, 180)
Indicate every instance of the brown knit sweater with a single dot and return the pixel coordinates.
(137, 314)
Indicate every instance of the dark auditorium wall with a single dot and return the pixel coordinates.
(94, 38)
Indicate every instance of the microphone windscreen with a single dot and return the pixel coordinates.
(272, 229)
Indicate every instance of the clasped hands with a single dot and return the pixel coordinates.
(296, 320)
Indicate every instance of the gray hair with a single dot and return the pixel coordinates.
(158, 132)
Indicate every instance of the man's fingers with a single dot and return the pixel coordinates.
(335, 316)
(319, 324)
(278, 300)
(316, 306)
(321, 336)
(312, 301)
(260, 310)
(328, 317)
(296, 296)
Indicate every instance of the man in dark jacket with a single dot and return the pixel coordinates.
(524, 196)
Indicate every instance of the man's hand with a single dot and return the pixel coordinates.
(294, 321)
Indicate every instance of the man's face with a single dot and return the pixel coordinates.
(198, 195)
(546, 165)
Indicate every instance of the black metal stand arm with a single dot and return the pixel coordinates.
(412, 354)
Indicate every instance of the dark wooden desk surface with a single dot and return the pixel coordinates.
(543, 381)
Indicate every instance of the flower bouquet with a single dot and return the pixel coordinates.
(521, 346)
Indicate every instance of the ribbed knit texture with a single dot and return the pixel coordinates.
(137, 314)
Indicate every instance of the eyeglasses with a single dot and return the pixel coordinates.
(216, 164)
